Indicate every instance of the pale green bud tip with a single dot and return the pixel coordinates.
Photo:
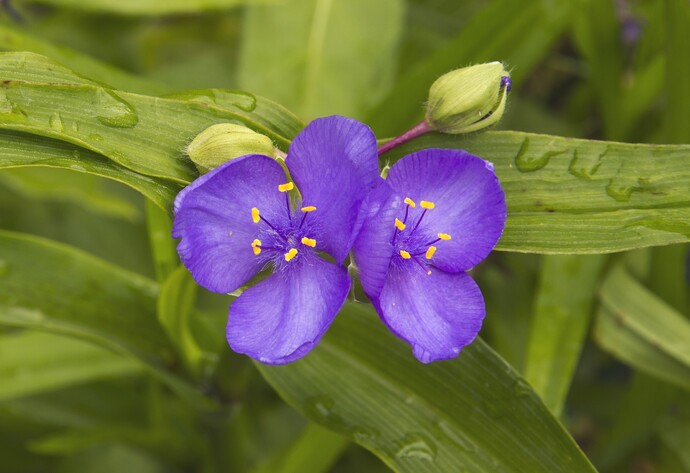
(468, 99)
(220, 143)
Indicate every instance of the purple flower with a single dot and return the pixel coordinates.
(439, 213)
(239, 219)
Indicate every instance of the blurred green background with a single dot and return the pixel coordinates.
(598, 69)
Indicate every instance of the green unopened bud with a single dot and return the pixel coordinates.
(468, 99)
(220, 143)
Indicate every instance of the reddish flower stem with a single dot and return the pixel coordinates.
(420, 129)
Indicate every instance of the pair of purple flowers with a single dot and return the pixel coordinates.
(414, 235)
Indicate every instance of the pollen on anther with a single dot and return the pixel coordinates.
(308, 208)
(290, 254)
(430, 252)
(255, 215)
(444, 236)
(399, 225)
(425, 204)
(405, 254)
(288, 186)
(410, 202)
(308, 242)
(256, 246)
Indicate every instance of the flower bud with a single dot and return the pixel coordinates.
(222, 142)
(468, 99)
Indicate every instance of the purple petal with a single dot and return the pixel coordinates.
(470, 204)
(438, 314)
(283, 317)
(334, 163)
(373, 249)
(213, 219)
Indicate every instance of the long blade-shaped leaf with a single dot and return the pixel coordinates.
(471, 414)
(148, 7)
(570, 196)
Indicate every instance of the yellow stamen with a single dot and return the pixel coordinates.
(255, 215)
(405, 254)
(425, 204)
(428, 273)
(444, 236)
(430, 252)
(399, 225)
(309, 242)
(290, 254)
(256, 246)
(308, 208)
(288, 186)
(410, 202)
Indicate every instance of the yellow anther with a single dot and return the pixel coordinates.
(425, 204)
(255, 215)
(256, 246)
(399, 225)
(430, 252)
(309, 242)
(410, 202)
(444, 236)
(308, 208)
(290, 254)
(405, 254)
(256, 242)
(288, 186)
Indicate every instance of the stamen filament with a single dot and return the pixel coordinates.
(420, 220)
(267, 222)
(306, 210)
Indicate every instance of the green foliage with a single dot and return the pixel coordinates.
(103, 368)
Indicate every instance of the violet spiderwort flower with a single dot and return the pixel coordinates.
(239, 218)
(439, 213)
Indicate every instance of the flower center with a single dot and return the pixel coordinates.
(282, 244)
(414, 245)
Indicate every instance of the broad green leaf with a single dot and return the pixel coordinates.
(471, 414)
(314, 451)
(677, 126)
(642, 330)
(145, 7)
(34, 362)
(145, 134)
(675, 441)
(559, 325)
(503, 31)
(571, 196)
(20, 149)
(81, 189)
(52, 287)
(339, 55)
(12, 39)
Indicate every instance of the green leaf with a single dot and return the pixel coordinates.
(146, 7)
(337, 58)
(642, 330)
(20, 149)
(572, 196)
(314, 451)
(14, 40)
(145, 134)
(34, 362)
(159, 226)
(559, 325)
(471, 414)
(503, 31)
(677, 28)
(52, 287)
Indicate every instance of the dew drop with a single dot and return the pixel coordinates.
(521, 388)
(9, 111)
(320, 406)
(76, 154)
(416, 446)
(365, 435)
(457, 438)
(619, 191)
(55, 122)
(586, 165)
(95, 137)
(112, 110)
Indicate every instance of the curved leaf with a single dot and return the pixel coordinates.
(470, 414)
(569, 196)
(147, 7)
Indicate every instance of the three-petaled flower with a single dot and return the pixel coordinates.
(439, 213)
(240, 218)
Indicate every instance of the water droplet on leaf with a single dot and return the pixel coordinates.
(416, 446)
(113, 110)
(56, 123)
